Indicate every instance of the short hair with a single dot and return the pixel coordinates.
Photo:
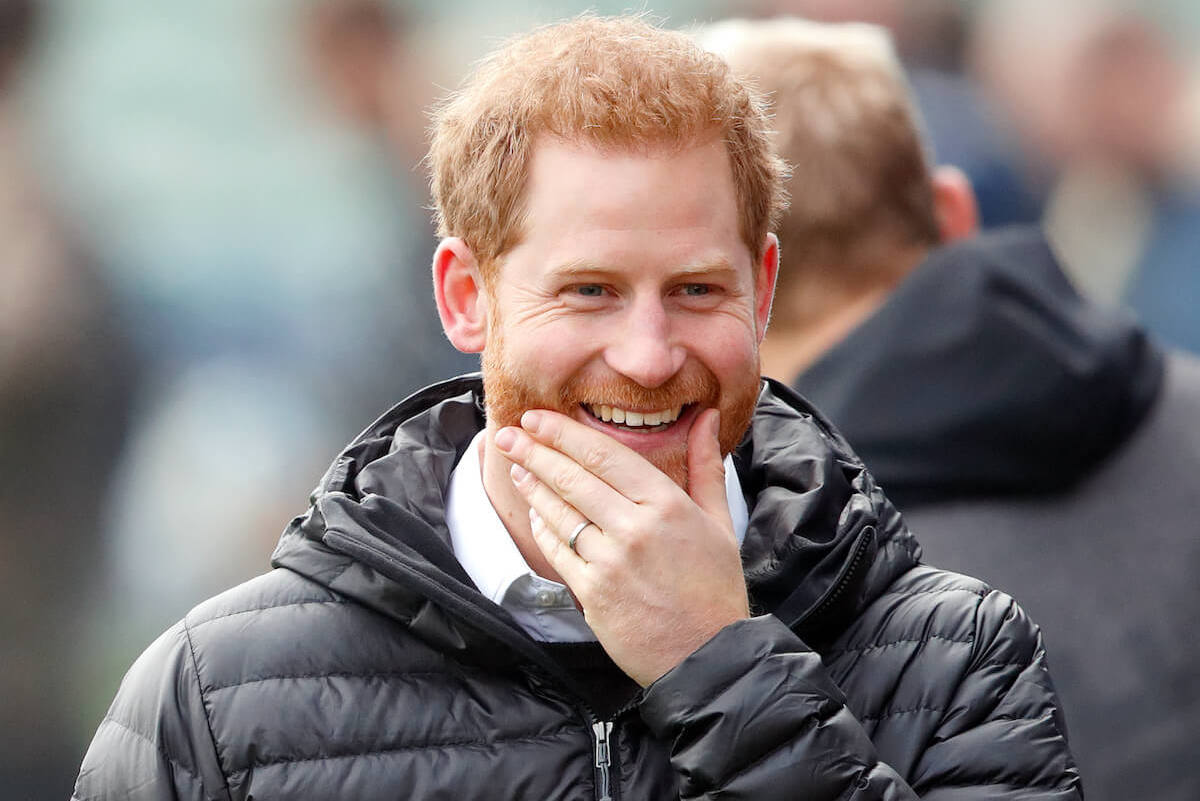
(846, 123)
(614, 83)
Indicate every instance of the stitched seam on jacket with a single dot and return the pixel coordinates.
(157, 746)
(898, 712)
(1020, 663)
(880, 646)
(207, 620)
(384, 674)
(978, 592)
(524, 738)
(212, 738)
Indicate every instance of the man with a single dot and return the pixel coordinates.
(532, 588)
(1027, 435)
(67, 384)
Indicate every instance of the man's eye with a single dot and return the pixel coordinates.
(589, 290)
(696, 290)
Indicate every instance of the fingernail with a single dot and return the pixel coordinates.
(518, 473)
(505, 439)
(534, 518)
(531, 420)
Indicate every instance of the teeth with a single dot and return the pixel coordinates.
(635, 419)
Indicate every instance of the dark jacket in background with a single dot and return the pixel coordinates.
(1045, 445)
(367, 666)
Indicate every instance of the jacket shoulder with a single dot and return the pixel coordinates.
(276, 589)
(941, 670)
(282, 626)
(154, 741)
(927, 608)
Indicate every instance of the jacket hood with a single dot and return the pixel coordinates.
(985, 373)
(822, 540)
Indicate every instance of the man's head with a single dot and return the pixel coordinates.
(865, 203)
(605, 191)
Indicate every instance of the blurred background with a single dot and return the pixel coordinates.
(215, 248)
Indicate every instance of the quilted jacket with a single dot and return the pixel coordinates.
(367, 666)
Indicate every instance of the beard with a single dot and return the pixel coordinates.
(508, 395)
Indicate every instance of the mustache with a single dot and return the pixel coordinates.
(696, 384)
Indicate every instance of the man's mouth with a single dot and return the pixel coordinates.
(643, 421)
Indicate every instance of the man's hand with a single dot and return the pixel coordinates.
(659, 573)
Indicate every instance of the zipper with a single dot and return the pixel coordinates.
(603, 755)
(603, 731)
(861, 547)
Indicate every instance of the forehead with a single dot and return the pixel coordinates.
(630, 207)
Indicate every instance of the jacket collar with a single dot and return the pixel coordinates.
(822, 539)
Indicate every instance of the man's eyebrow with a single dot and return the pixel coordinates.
(701, 267)
(578, 267)
(706, 267)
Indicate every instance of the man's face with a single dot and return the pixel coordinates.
(632, 302)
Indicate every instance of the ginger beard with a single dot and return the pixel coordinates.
(508, 394)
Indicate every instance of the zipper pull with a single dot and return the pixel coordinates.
(602, 731)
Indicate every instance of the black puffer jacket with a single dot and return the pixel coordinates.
(366, 666)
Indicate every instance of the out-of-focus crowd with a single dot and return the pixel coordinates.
(214, 267)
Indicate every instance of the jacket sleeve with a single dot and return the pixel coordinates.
(1002, 734)
(154, 744)
(753, 714)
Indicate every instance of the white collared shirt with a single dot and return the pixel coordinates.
(486, 550)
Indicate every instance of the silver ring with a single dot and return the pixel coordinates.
(575, 534)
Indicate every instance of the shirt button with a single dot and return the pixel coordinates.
(544, 598)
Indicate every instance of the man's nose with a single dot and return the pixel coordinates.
(643, 349)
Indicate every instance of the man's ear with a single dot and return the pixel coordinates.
(461, 298)
(764, 284)
(954, 204)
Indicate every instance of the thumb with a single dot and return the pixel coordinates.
(706, 468)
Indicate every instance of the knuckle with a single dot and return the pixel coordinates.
(674, 505)
(634, 547)
(565, 477)
(594, 459)
(623, 525)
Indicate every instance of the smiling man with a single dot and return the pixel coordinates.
(620, 564)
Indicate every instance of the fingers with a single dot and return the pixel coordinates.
(568, 565)
(552, 521)
(571, 481)
(620, 467)
(706, 467)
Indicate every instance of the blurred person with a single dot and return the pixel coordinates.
(65, 388)
(1027, 435)
(963, 126)
(1100, 92)
(377, 72)
(274, 350)
(529, 584)
(373, 61)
